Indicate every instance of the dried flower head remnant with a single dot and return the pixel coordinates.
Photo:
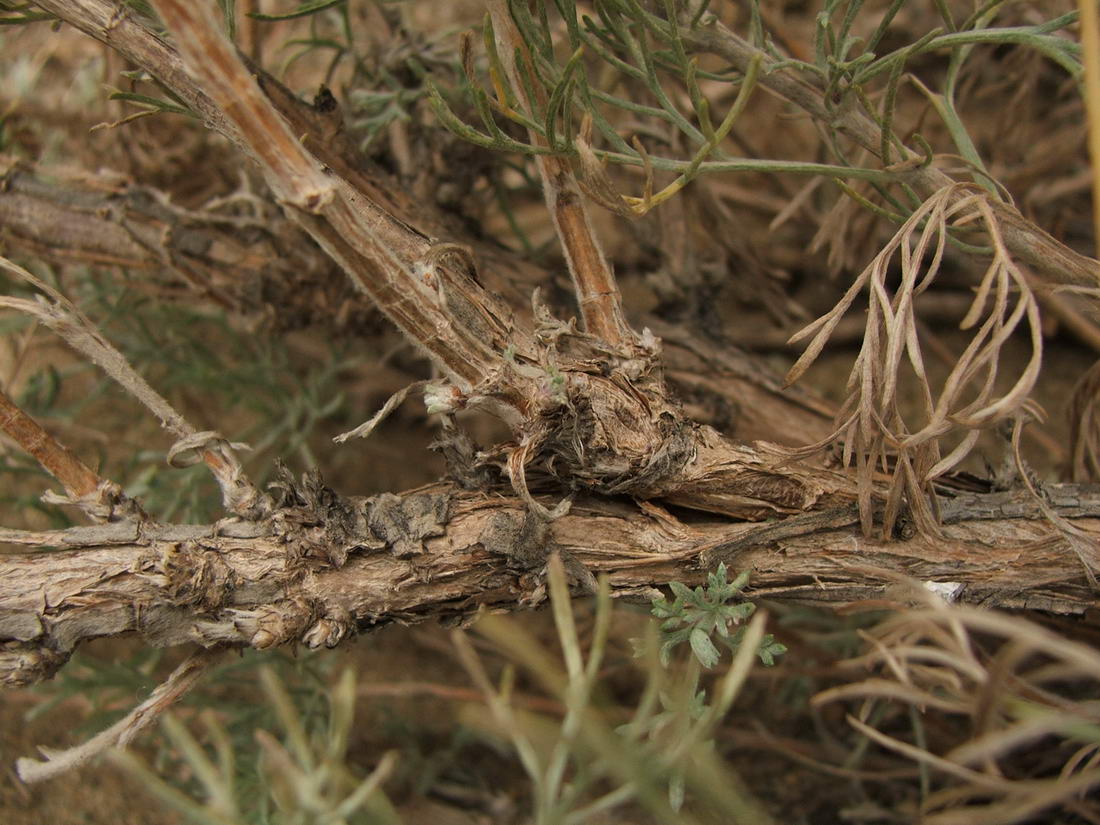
(611, 478)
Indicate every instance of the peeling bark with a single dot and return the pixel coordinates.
(272, 271)
(323, 567)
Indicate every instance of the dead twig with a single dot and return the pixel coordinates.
(122, 732)
(75, 476)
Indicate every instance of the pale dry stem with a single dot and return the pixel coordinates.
(126, 729)
(593, 280)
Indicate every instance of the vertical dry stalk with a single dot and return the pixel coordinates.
(594, 282)
(75, 476)
(251, 33)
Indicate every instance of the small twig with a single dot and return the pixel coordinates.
(597, 292)
(182, 679)
(75, 476)
(250, 32)
(99, 499)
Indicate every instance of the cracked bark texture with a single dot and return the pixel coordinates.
(323, 568)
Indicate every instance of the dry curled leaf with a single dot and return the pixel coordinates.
(875, 429)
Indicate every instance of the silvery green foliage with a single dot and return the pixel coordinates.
(708, 614)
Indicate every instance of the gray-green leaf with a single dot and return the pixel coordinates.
(704, 648)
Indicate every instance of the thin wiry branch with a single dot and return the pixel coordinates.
(55, 311)
(126, 729)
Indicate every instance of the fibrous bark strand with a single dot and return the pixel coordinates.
(441, 553)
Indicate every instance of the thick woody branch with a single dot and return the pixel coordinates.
(338, 205)
(328, 208)
(236, 261)
(602, 431)
(323, 567)
(119, 28)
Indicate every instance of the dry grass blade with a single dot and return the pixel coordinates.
(874, 427)
(1001, 694)
(1084, 423)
